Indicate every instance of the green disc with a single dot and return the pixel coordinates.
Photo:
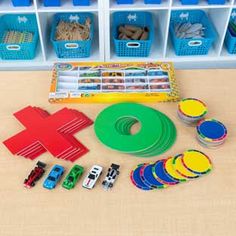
(124, 125)
(167, 140)
(156, 135)
(110, 136)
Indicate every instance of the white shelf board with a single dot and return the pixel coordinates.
(139, 5)
(67, 6)
(6, 6)
(37, 61)
(176, 5)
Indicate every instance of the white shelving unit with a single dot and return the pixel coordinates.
(162, 48)
(103, 48)
(46, 56)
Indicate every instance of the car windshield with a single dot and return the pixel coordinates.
(51, 178)
(91, 176)
(70, 178)
(57, 169)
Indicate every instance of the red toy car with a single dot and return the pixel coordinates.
(35, 175)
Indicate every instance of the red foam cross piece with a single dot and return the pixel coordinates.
(49, 132)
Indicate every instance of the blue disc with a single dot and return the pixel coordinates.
(136, 178)
(160, 173)
(212, 129)
(149, 179)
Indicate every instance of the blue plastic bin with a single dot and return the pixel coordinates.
(72, 49)
(81, 2)
(189, 2)
(185, 47)
(125, 1)
(18, 22)
(230, 40)
(220, 2)
(21, 3)
(133, 48)
(152, 1)
(52, 3)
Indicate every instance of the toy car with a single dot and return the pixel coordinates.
(111, 176)
(35, 175)
(92, 177)
(54, 176)
(73, 176)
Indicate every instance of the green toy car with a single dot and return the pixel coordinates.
(73, 176)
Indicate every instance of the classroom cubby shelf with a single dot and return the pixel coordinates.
(103, 48)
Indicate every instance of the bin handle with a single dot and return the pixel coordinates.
(13, 47)
(195, 43)
(133, 45)
(71, 45)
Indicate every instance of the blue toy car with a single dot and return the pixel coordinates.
(54, 176)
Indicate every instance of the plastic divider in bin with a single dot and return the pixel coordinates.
(133, 1)
(81, 2)
(152, 1)
(133, 48)
(21, 3)
(125, 1)
(73, 48)
(192, 46)
(52, 3)
(230, 38)
(14, 43)
(189, 2)
(220, 2)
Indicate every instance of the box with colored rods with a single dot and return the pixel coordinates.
(230, 39)
(85, 82)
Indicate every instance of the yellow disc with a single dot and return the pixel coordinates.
(181, 169)
(171, 171)
(192, 107)
(196, 162)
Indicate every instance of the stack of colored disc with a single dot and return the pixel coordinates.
(171, 171)
(211, 133)
(191, 110)
(156, 135)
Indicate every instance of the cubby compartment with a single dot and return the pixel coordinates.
(18, 36)
(156, 40)
(230, 38)
(103, 45)
(217, 18)
(71, 50)
(132, 33)
(191, 32)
